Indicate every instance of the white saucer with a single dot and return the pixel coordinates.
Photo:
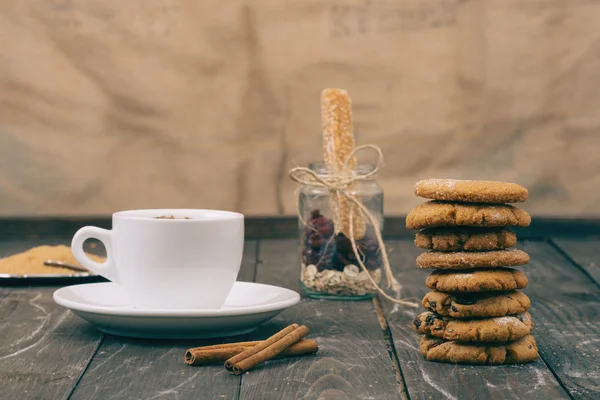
(107, 307)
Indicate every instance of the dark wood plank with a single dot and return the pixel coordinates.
(429, 380)
(249, 261)
(566, 311)
(43, 347)
(152, 369)
(584, 253)
(278, 227)
(126, 368)
(353, 361)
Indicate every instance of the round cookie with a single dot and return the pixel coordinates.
(471, 191)
(438, 213)
(520, 351)
(477, 280)
(468, 260)
(480, 305)
(489, 330)
(465, 239)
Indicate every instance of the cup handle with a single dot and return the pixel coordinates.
(106, 269)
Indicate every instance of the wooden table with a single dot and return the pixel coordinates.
(367, 348)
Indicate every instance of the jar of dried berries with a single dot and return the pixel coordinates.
(329, 266)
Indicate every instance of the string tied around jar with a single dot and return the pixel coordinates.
(338, 184)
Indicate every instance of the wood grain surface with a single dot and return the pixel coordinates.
(126, 368)
(144, 369)
(430, 380)
(353, 360)
(44, 348)
(584, 253)
(566, 311)
(366, 351)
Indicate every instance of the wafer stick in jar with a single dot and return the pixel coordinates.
(338, 145)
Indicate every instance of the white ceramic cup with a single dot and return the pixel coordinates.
(169, 263)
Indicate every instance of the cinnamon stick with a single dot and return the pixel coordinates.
(206, 357)
(227, 345)
(266, 350)
(220, 353)
(208, 354)
(264, 344)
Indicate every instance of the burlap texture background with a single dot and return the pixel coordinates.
(109, 104)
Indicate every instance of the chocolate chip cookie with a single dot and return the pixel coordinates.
(438, 213)
(520, 351)
(476, 280)
(469, 260)
(480, 305)
(471, 191)
(465, 239)
(498, 329)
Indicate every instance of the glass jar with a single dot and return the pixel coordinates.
(329, 268)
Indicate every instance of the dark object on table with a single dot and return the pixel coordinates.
(327, 251)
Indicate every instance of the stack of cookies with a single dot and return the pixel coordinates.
(476, 312)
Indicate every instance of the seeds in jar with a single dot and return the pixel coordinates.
(350, 281)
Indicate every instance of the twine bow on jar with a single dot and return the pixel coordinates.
(339, 183)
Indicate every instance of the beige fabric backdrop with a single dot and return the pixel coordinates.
(109, 104)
